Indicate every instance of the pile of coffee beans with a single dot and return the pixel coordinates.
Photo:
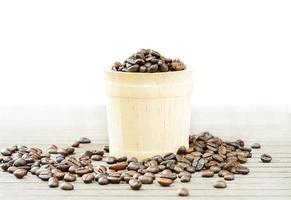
(148, 61)
(206, 153)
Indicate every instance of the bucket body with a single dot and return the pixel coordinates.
(148, 113)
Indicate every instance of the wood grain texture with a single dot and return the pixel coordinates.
(43, 126)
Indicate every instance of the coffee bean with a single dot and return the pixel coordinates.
(96, 157)
(207, 173)
(19, 162)
(183, 192)
(75, 144)
(242, 170)
(153, 169)
(106, 148)
(70, 177)
(185, 179)
(82, 171)
(190, 169)
(114, 180)
(121, 159)
(133, 68)
(53, 182)
(266, 158)
(242, 159)
(229, 177)
(20, 173)
(145, 179)
(84, 140)
(118, 166)
(88, 178)
(45, 175)
(256, 146)
(184, 173)
(133, 166)
(220, 184)
(111, 160)
(222, 173)
(217, 158)
(67, 186)
(215, 169)
(135, 184)
(6, 152)
(103, 180)
(164, 181)
(200, 164)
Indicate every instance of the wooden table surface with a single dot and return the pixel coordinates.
(40, 128)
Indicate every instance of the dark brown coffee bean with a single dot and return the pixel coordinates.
(183, 192)
(242, 170)
(88, 178)
(20, 173)
(103, 180)
(217, 158)
(229, 177)
(133, 166)
(121, 159)
(82, 171)
(118, 166)
(185, 179)
(70, 177)
(145, 179)
(111, 160)
(96, 157)
(207, 173)
(53, 182)
(59, 175)
(19, 162)
(75, 144)
(163, 67)
(266, 158)
(135, 184)
(220, 184)
(164, 181)
(114, 180)
(106, 148)
(84, 140)
(67, 186)
(133, 68)
(154, 68)
(142, 69)
(256, 146)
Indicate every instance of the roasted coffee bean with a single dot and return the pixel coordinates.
(118, 166)
(96, 157)
(70, 177)
(82, 171)
(84, 140)
(45, 175)
(88, 178)
(256, 146)
(154, 68)
(207, 173)
(114, 180)
(217, 158)
(75, 144)
(150, 175)
(164, 181)
(184, 173)
(106, 148)
(135, 184)
(111, 160)
(103, 180)
(200, 164)
(121, 159)
(11, 169)
(183, 192)
(133, 68)
(133, 166)
(53, 182)
(63, 152)
(20, 173)
(242, 159)
(215, 169)
(266, 158)
(6, 152)
(145, 179)
(19, 162)
(229, 177)
(242, 170)
(153, 169)
(185, 179)
(220, 184)
(67, 186)
(190, 169)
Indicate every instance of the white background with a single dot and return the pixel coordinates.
(54, 52)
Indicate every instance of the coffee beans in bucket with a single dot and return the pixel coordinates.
(148, 61)
(60, 167)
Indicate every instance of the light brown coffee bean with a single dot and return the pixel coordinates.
(164, 181)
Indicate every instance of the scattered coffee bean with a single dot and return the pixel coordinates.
(6, 152)
(53, 182)
(183, 192)
(84, 140)
(96, 157)
(12, 169)
(70, 177)
(145, 179)
(118, 166)
(111, 160)
(256, 146)
(103, 180)
(185, 179)
(135, 184)
(75, 144)
(106, 148)
(242, 170)
(220, 184)
(19, 162)
(229, 177)
(164, 181)
(20, 173)
(88, 178)
(266, 158)
(207, 173)
(67, 186)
